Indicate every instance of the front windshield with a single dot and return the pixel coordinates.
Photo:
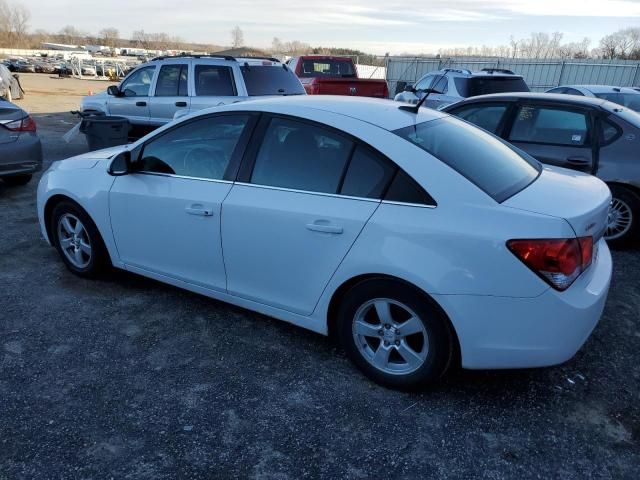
(485, 160)
(629, 100)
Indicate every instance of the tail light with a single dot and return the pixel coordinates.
(557, 261)
(26, 124)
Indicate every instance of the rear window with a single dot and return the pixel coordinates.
(321, 67)
(629, 100)
(269, 80)
(474, 86)
(482, 158)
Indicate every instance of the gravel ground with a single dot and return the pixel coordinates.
(130, 378)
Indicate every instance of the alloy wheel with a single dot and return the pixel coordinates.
(74, 240)
(619, 219)
(390, 336)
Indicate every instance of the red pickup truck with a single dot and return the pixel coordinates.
(328, 75)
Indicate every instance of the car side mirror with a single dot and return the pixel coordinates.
(121, 164)
(114, 90)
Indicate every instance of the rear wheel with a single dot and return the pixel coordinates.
(78, 241)
(18, 179)
(395, 334)
(623, 225)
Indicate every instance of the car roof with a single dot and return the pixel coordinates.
(554, 97)
(229, 58)
(601, 88)
(466, 73)
(382, 113)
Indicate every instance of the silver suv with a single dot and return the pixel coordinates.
(458, 84)
(152, 93)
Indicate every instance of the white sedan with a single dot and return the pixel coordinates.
(417, 239)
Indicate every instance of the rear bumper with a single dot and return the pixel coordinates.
(24, 156)
(505, 332)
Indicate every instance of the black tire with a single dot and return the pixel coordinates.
(18, 180)
(440, 336)
(99, 261)
(630, 200)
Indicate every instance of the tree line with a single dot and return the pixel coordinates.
(15, 33)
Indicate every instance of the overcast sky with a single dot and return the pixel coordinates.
(377, 26)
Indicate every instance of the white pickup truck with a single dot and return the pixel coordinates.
(152, 93)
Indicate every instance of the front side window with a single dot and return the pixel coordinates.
(486, 116)
(214, 81)
(172, 81)
(425, 82)
(482, 158)
(200, 149)
(301, 156)
(548, 125)
(138, 83)
(263, 80)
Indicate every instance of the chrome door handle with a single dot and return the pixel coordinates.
(199, 210)
(324, 227)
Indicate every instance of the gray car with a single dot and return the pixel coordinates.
(20, 147)
(457, 84)
(626, 96)
(582, 133)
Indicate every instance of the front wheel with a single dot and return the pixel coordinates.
(78, 241)
(395, 334)
(623, 225)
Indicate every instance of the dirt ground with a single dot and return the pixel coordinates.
(129, 378)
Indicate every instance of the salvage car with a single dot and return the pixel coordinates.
(20, 147)
(625, 96)
(452, 85)
(330, 75)
(353, 217)
(581, 133)
(154, 92)
(10, 88)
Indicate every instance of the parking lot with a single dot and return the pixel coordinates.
(130, 378)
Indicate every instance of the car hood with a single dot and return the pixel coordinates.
(87, 160)
(581, 199)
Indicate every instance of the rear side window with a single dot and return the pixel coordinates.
(547, 125)
(301, 156)
(405, 189)
(484, 116)
(482, 158)
(322, 67)
(368, 174)
(172, 81)
(214, 81)
(270, 80)
(474, 86)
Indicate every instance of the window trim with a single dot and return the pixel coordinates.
(245, 171)
(236, 157)
(600, 119)
(589, 141)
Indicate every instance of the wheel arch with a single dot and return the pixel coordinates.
(627, 186)
(341, 291)
(51, 204)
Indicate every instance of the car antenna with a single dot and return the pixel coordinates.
(415, 108)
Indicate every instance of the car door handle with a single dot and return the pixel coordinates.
(324, 227)
(181, 104)
(579, 161)
(200, 210)
(141, 104)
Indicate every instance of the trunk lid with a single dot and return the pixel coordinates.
(582, 200)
